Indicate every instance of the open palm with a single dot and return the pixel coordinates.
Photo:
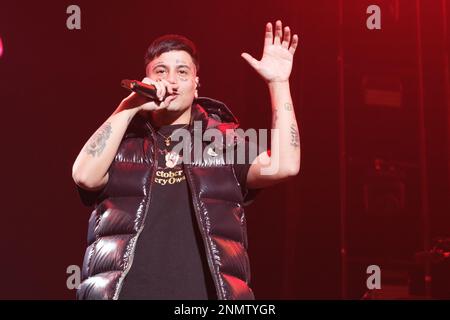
(278, 54)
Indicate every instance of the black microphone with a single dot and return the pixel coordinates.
(147, 90)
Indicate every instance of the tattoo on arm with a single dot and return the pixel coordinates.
(295, 140)
(288, 106)
(97, 143)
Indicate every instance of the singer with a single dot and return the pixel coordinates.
(164, 228)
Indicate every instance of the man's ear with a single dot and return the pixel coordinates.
(197, 85)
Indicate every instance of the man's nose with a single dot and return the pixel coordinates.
(172, 78)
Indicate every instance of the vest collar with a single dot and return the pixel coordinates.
(212, 113)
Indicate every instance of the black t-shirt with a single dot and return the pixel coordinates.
(170, 260)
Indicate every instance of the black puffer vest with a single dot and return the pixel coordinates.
(121, 211)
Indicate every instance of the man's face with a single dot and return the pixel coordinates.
(177, 68)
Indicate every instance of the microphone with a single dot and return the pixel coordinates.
(147, 90)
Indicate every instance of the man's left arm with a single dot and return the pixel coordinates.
(282, 161)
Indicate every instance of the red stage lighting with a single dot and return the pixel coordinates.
(1, 47)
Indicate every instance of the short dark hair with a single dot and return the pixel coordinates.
(170, 42)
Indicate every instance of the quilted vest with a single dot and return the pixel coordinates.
(120, 210)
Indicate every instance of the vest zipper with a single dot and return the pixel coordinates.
(220, 293)
(131, 258)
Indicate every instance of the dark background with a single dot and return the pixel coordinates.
(372, 106)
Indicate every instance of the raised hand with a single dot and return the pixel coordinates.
(276, 62)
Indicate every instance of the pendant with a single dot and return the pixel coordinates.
(167, 141)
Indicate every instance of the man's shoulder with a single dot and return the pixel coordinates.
(216, 110)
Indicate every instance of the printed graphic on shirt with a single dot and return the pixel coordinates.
(171, 172)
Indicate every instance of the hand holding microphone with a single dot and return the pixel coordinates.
(149, 94)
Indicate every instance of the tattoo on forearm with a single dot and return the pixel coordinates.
(97, 143)
(288, 106)
(295, 140)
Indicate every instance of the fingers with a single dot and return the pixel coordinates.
(252, 61)
(165, 103)
(168, 100)
(286, 37)
(147, 80)
(167, 85)
(280, 36)
(293, 44)
(278, 32)
(163, 87)
(161, 105)
(161, 90)
(268, 36)
(172, 88)
(160, 87)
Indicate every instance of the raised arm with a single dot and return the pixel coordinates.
(283, 159)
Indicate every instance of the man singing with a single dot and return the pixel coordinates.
(168, 224)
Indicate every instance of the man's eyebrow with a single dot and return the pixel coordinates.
(183, 66)
(161, 64)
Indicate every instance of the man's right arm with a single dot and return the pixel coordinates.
(90, 170)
